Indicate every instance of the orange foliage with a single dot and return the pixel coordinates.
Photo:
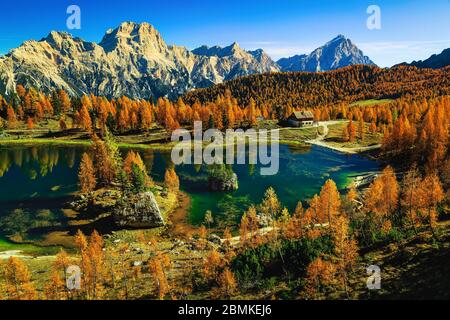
(86, 175)
(171, 180)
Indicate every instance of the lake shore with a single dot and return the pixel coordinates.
(177, 227)
(323, 134)
(327, 133)
(167, 146)
(180, 215)
(344, 149)
(79, 143)
(178, 219)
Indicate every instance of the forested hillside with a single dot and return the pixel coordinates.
(348, 84)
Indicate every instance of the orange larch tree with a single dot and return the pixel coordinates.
(351, 131)
(410, 196)
(11, 117)
(431, 194)
(84, 119)
(171, 179)
(319, 275)
(18, 280)
(227, 284)
(345, 249)
(382, 197)
(330, 202)
(86, 176)
(30, 123)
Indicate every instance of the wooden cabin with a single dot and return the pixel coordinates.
(300, 119)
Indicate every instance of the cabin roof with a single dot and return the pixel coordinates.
(303, 115)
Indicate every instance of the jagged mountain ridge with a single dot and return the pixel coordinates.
(337, 53)
(132, 60)
(436, 61)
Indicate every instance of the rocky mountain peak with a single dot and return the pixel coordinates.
(234, 47)
(262, 57)
(57, 39)
(340, 42)
(232, 50)
(132, 34)
(335, 54)
(339, 37)
(132, 59)
(127, 29)
(257, 52)
(63, 42)
(57, 36)
(436, 61)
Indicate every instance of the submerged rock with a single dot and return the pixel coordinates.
(222, 178)
(229, 183)
(139, 211)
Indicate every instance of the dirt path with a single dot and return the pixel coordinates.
(320, 141)
(235, 241)
(5, 255)
(13, 254)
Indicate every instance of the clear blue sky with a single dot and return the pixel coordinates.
(411, 29)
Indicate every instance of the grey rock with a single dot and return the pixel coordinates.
(264, 220)
(140, 211)
(225, 184)
(137, 263)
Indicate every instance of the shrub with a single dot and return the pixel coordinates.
(138, 179)
(288, 258)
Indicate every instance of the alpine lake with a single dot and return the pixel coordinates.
(37, 182)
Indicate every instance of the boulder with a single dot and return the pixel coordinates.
(264, 220)
(137, 263)
(139, 211)
(223, 184)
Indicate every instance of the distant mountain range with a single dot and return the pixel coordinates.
(131, 60)
(339, 52)
(436, 61)
(134, 60)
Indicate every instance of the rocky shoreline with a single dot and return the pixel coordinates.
(127, 211)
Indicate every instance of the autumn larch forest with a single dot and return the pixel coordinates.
(136, 226)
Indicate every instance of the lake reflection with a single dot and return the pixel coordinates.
(35, 183)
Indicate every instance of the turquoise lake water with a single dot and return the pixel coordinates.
(36, 182)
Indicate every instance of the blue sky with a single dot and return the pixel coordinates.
(411, 29)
